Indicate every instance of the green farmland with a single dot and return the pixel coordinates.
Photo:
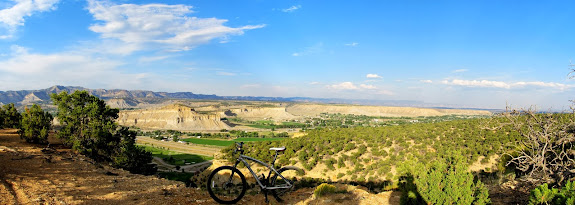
(175, 158)
(225, 143)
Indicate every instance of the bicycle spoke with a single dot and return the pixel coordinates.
(225, 187)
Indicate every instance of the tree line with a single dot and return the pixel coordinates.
(87, 124)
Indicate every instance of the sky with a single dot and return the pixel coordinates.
(475, 54)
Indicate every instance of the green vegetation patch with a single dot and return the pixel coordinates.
(370, 153)
(221, 143)
(294, 124)
(257, 139)
(176, 158)
(259, 126)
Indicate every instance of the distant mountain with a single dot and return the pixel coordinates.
(130, 98)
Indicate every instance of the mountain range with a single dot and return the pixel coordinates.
(134, 97)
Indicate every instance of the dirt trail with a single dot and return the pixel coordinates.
(30, 176)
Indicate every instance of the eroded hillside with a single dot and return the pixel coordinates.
(175, 117)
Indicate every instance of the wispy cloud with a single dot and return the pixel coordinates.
(13, 17)
(250, 86)
(460, 71)
(32, 70)
(362, 89)
(369, 87)
(147, 59)
(168, 27)
(317, 48)
(426, 81)
(291, 9)
(353, 44)
(343, 86)
(223, 73)
(373, 76)
(506, 85)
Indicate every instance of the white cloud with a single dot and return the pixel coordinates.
(460, 71)
(506, 85)
(385, 92)
(343, 86)
(353, 44)
(18, 50)
(24, 70)
(147, 59)
(225, 73)
(250, 86)
(369, 87)
(315, 83)
(168, 26)
(426, 81)
(13, 17)
(373, 76)
(477, 83)
(291, 9)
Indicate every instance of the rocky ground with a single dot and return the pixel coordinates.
(32, 174)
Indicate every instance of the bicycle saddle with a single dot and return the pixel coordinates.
(279, 149)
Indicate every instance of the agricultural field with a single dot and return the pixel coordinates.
(175, 158)
(223, 143)
(257, 139)
(336, 120)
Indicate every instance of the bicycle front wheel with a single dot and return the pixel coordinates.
(227, 185)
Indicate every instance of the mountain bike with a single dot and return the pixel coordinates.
(227, 184)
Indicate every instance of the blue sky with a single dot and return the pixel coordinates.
(482, 54)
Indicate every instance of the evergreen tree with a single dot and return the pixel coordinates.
(11, 116)
(447, 181)
(35, 125)
(88, 125)
(1, 118)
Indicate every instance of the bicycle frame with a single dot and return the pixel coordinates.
(243, 158)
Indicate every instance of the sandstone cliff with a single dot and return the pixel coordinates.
(174, 117)
(315, 109)
(275, 113)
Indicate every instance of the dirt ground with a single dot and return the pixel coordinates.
(30, 174)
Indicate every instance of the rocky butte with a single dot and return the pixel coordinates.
(174, 117)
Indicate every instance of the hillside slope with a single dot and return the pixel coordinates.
(30, 176)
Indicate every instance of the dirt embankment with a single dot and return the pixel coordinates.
(316, 109)
(175, 117)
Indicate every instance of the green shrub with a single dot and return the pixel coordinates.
(447, 181)
(35, 125)
(324, 189)
(543, 195)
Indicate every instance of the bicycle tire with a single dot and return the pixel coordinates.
(226, 192)
(278, 193)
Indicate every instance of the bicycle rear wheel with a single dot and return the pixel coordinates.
(292, 174)
(226, 185)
